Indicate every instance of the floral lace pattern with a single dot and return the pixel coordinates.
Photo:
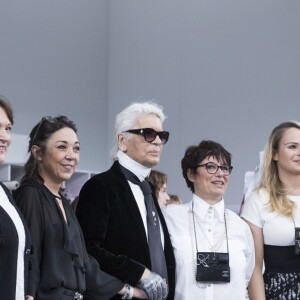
(282, 286)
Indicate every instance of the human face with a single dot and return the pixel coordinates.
(163, 197)
(288, 154)
(5, 134)
(209, 187)
(135, 146)
(60, 158)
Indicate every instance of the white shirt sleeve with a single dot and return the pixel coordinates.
(277, 229)
(250, 254)
(252, 209)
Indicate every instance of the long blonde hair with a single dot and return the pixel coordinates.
(270, 180)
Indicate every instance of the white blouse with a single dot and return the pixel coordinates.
(278, 230)
(210, 230)
(13, 214)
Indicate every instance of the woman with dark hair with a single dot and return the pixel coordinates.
(60, 265)
(213, 247)
(272, 211)
(14, 234)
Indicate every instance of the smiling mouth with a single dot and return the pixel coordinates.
(68, 167)
(218, 182)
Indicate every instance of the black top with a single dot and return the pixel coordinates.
(59, 259)
(9, 242)
(114, 230)
(280, 259)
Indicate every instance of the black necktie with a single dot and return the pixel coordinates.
(158, 262)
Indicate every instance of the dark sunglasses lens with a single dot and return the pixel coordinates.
(164, 136)
(149, 134)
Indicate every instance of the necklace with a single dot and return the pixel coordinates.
(213, 248)
(218, 244)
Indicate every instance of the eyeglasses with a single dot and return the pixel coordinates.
(48, 119)
(213, 168)
(150, 134)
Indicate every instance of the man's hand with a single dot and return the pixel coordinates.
(155, 287)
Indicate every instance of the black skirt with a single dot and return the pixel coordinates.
(282, 273)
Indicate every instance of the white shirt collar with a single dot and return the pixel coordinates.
(202, 208)
(139, 170)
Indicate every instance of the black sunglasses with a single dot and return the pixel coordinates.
(48, 119)
(150, 134)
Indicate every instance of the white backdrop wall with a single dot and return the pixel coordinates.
(54, 60)
(223, 70)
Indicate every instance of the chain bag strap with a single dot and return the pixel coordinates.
(212, 267)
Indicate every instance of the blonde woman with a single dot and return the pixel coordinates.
(273, 214)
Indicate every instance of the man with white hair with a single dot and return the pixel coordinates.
(122, 223)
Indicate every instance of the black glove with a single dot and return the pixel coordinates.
(155, 287)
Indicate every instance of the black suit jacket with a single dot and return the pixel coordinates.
(9, 242)
(114, 231)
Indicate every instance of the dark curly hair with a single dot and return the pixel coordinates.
(195, 154)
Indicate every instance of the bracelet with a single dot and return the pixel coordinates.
(129, 290)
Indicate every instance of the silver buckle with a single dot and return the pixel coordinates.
(78, 296)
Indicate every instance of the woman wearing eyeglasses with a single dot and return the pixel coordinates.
(14, 234)
(60, 266)
(213, 247)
